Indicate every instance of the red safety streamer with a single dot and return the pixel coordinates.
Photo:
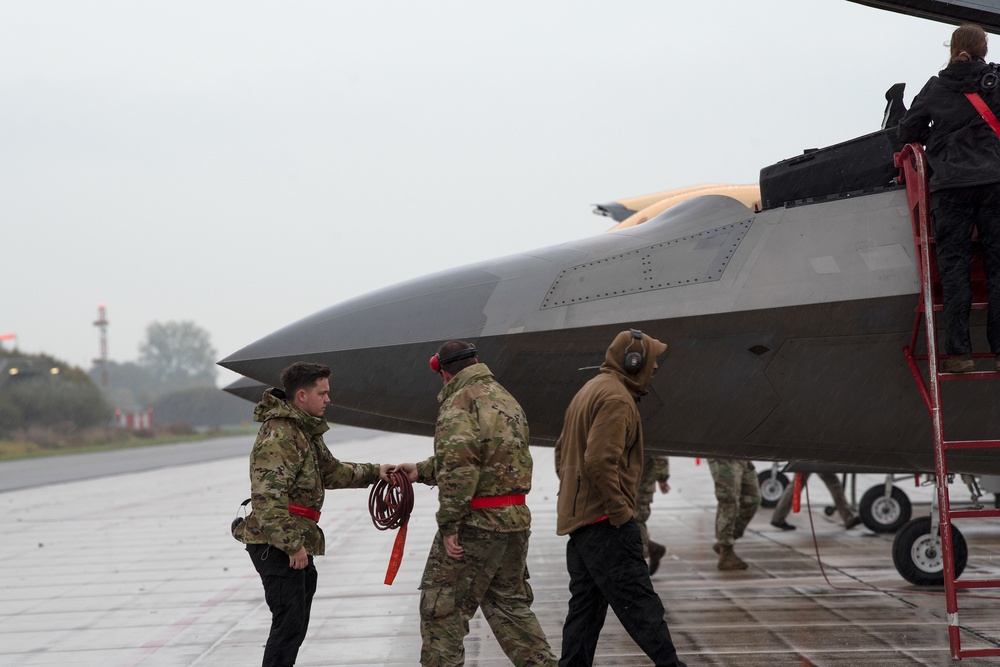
(390, 504)
(396, 558)
(797, 493)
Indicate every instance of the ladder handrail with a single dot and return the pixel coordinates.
(912, 163)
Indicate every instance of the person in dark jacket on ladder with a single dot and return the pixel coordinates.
(954, 115)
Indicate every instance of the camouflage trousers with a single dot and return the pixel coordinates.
(642, 513)
(491, 574)
(654, 468)
(738, 493)
(833, 484)
(643, 500)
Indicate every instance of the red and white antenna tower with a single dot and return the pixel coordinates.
(102, 361)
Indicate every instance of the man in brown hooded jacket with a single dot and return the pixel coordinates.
(599, 459)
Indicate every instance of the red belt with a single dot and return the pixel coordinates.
(487, 502)
(307, 512)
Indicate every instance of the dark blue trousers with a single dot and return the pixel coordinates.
(956, 212)
(606, 567)
(289, 594)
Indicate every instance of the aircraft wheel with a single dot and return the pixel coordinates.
(771, 488)
(917, 554)
(884, 515)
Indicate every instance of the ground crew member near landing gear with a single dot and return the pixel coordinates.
(784, 506)
(598, 459)
(655, 471)
(482, 468)
(738, 493)
(290, 466)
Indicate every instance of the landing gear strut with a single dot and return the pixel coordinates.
(772, 485)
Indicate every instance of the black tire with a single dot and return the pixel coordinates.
(917, 554)
(771, 488)
(885, 515)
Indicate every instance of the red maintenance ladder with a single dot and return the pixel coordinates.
(913, 171)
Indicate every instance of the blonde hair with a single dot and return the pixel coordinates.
(968, 42)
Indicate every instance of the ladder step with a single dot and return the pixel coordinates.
(939, 306)
(972, 375)
(974, 514)
(971, 444)
(978, 652)
(978, 583)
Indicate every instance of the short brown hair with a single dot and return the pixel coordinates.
(968, 42)
(302, 375)
(451, 347)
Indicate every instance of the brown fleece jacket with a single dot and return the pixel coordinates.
(599, 452)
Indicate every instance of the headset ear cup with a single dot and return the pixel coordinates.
(437, 363)
(633, 363)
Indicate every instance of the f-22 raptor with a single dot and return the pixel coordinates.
(786, 321)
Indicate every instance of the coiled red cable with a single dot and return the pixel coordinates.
(390, 504)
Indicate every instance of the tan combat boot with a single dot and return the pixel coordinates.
(728, 560)
(958, 363)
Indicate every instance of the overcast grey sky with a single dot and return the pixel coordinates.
(245, 164)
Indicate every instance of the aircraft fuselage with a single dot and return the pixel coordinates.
(786, 330)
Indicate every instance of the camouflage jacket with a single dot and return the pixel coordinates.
(480, 449)
(290, 463)
(654, 469)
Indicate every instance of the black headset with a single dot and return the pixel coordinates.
(990, 79)
(634, 361)
(437, 362)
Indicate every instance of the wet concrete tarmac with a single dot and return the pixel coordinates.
(139, 569)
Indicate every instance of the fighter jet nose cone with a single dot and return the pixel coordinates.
(377, 347)
(425, 311)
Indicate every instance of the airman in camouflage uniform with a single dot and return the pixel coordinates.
(290, 467)
(738, 493)
(655, 470)
(478, 556)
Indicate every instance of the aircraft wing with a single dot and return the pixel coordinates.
(984, 12)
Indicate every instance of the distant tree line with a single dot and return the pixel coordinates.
(175, 375)
(41, 391)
